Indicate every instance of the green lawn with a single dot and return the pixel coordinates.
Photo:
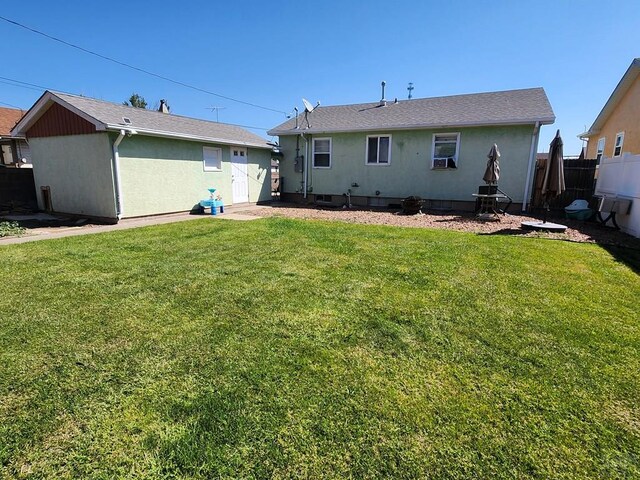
(299, 349)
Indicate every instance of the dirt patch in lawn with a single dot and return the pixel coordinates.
(577, 231)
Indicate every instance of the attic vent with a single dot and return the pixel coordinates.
(126, 120)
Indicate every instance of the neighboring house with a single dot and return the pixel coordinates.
(617, 128)
(110, 161)
(14, 151)
(435, 148)
(614, 139)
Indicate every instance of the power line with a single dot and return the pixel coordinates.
(32, 86)
(20, 83)
(162, 77)
(10, 105)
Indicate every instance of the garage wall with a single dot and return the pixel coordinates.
(160, 175)
(77, 169)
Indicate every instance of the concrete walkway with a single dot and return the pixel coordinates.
(238, 212)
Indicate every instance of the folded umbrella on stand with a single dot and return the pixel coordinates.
(492, 173)
(553, 182)
(552, 186)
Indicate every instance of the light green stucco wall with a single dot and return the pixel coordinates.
(160, 175)
(409, 172)
(77, 168)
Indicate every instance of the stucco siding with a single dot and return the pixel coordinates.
(259, 171)
(409, 171)
(160, 175)
(78, 170)
(623, 118)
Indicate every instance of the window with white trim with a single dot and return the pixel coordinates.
(322, 153)
(445, 150)
(617, 149)
(212, 159)
(378, 149)
(600, 148)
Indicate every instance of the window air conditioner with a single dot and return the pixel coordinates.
(439, 163)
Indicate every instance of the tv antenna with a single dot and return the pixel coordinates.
(410, 88)
(216, 109)
(308, 108)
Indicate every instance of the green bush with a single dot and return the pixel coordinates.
(8, 229)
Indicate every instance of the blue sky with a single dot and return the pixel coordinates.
(335, 52)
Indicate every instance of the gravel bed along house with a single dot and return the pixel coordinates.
(577, 231)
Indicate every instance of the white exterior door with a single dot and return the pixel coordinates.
(239, 175)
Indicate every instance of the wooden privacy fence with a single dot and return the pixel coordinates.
(579, 179)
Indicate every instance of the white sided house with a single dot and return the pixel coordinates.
(376, 154)
(110, 161)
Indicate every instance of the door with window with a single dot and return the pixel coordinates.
(239, 175)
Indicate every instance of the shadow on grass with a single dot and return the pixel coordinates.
(508, 231)
(629, 256)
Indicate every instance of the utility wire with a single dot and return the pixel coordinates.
(147, 72)
(20, 83)
(32, 86)
(10, 105)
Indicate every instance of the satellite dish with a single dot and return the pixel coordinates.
(307, 105)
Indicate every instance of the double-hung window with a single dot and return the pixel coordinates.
(600, 149)
(617, 149)
(445, 150)
(322, 153)
(378, 149)
(212, 159)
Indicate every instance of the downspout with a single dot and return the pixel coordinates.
(116, 174)
(306, 167)
(532, 153)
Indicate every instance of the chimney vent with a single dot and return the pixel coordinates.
(383, 101)
(164, 108)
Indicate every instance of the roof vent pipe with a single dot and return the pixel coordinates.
(383, 101)
(164, 108)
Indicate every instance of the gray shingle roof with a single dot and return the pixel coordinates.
(146, 121)
(493, 108)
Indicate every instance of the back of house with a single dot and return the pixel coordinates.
(378, 153)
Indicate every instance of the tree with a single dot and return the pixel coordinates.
(136, 100)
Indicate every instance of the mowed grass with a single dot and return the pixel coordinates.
(298, 349)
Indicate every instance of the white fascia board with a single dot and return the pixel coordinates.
(618, 93)
(544, 121)
(39, 108)
(184, 136)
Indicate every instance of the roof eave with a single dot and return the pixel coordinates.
(542, 121)
(184, 136)
(41, 106)
(621, 89)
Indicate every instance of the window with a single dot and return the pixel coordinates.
(379, 150)
(617, 149)
(212, 159)
(600, 149)
(321, 153)
(445, 150)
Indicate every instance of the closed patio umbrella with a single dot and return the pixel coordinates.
(552, 186)
(553, 182)
(492, 173)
